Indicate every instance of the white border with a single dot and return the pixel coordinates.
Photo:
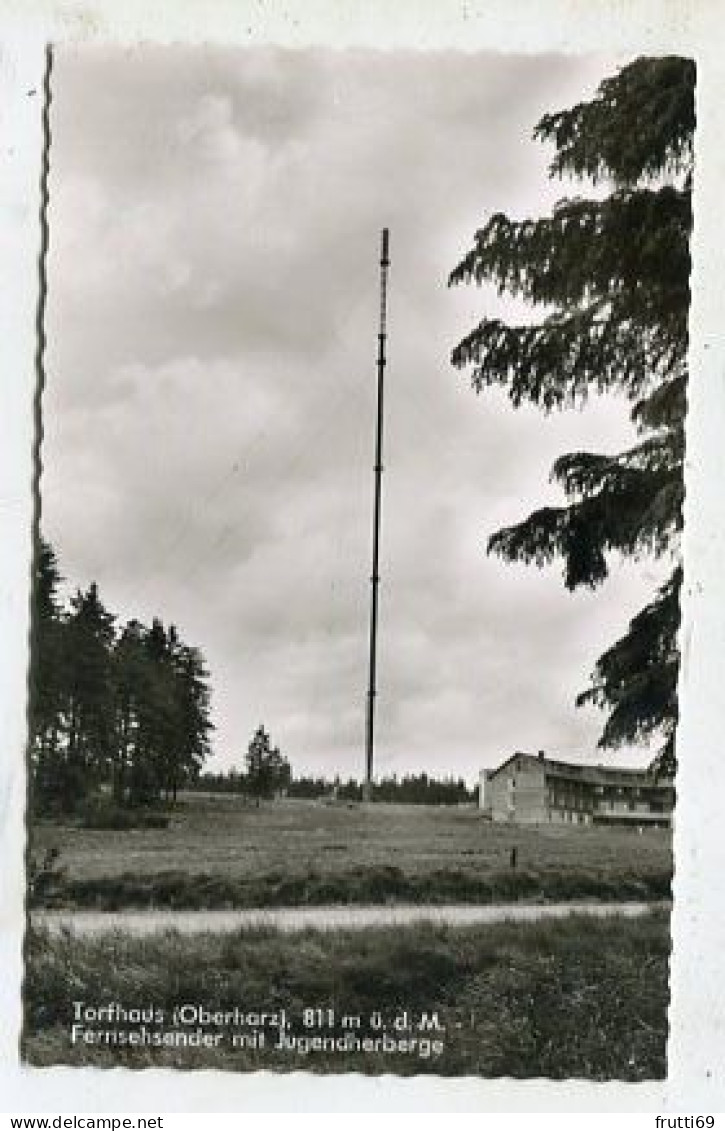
(696, 1080)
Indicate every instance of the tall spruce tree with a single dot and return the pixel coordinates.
(129, 709)
(158, 731)
(47, 688)
(268, 771)
(611, 278)
(89, 637)
(130, 684)
(193, 715)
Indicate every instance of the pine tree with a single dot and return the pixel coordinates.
(611, 277)
(163, 723)
(193, 712)
(130, 709)
(130, 682)
(158, 734)
(268, 771)
(89, 637)
(46, 683)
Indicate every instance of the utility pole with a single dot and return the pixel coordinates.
(375, 577)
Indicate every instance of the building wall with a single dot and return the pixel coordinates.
(635, 804)
(517, 793)
(569, 801)
(484, 801)
(527, 790)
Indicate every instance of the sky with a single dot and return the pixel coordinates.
(215, 219)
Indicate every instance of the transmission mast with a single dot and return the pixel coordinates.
(378, 469)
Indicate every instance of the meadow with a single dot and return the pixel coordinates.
(573, 999)
(222, 851)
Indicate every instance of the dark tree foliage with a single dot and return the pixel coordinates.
(420, 789)
(130, 682)
(268, 771)
(192, 699)
(89, 633)
(411, 789)
(637, 677)
(46, 681)
(128, 710)
(611, 279)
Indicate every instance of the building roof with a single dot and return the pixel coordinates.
(593, 775)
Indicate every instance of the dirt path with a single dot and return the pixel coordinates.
(142, 922)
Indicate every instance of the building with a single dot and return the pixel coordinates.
(534, 789)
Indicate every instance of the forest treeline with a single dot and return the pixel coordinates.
(411, 789)
(125, 707)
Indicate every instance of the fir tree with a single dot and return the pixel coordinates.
(193, 718)
(130, 680)
(129, 709)
(268, 771)
(158, 723)
(89, 637)
(47, 688)
(611, 278)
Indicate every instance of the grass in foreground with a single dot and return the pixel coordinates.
(219, 852)
(380, 884)
(575, 998)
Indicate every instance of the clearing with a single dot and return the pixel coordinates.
(220, 851)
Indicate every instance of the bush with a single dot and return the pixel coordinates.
(102, 814)
(177, 889)
(46, 878)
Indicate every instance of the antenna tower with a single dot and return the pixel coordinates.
(378, 468)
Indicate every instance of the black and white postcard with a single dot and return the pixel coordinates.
(355, 728)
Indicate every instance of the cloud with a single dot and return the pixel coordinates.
(209, 408)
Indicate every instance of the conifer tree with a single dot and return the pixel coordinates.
(89, 636)
(130, 681)
(46, 683)
(130, 709)
(193, 715)
(610, 278)
(267, 769)
(157, 728)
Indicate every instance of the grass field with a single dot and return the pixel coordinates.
(576, 998)
(220, 851)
